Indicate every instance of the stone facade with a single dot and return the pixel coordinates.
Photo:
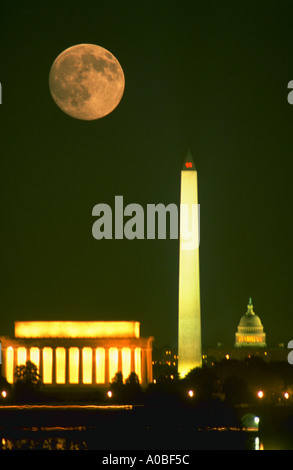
(72, 360)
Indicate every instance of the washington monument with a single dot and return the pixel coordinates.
(189, 318)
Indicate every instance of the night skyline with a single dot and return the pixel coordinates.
(206, 77)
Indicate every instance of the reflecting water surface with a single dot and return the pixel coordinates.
(43, 443)
(93, 427)
(90, 440)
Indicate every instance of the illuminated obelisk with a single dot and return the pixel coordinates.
(189, 317)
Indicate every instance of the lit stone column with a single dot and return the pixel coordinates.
(80, 365)
(107, 366)
(149, 366)
(94, 367)
(41, 364)
(9, 366)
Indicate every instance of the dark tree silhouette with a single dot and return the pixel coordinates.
(132, 384)
(128, 390)
(117, 386)
(235, 390)
(132, 380)
(27, 373)
(132, 388)
(117, 381)
(203, 380)
(27, 381)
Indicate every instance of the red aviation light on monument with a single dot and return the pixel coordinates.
(188, 164)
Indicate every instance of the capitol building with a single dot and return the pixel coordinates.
(250, 341)
(250, 330)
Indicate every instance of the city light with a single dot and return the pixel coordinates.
(191, 393)
(4, 393)
(256, 420)
(286, 395)
(109, 394)
(260, 394)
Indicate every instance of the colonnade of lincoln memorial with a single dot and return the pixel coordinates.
(79, 357)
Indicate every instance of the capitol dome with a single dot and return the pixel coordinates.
(250, 330)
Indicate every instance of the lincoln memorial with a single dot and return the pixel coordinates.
(78, 353)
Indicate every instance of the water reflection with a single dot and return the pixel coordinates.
(43, 443)
(58, 438)
(257, 444)
(91, 427)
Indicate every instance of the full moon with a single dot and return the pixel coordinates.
(86, 81)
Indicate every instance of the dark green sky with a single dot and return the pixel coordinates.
(208, 76)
